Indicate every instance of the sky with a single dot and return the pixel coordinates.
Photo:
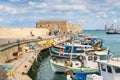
(90, 14)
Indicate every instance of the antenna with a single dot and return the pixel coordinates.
(109, 56)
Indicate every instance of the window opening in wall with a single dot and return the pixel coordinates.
(117, 69)
(103, 67)
(109, 69)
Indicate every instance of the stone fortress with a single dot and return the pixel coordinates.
(61, 26)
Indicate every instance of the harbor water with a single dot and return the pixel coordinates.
(44, 71)
(111, 40)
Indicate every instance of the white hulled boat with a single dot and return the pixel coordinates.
(78, 49)
(85, 63)
(108, 69)
(61, 65)
(112, 30)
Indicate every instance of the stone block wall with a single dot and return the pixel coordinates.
(22, 32)
(61, 26)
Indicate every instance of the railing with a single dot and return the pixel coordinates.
(8, 43)
(116, 59)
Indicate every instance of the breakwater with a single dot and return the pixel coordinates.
(22, 63)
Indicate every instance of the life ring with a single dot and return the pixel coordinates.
(69, 72)
(95, 58)
(90, 58)
(80, 58)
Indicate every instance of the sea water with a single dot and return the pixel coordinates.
(110, 40)
(46, 73)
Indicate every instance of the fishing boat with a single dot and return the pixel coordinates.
(87, 40)
(83, 63)
(110, 69)
(64, 51)
(75, 65)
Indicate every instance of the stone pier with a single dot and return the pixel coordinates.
(24, 61)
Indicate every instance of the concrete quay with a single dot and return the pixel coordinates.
(23, 63)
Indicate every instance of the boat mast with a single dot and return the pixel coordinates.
(71, 54)
(71, 48)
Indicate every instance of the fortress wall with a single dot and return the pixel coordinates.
(62, 26)
(22, 32)
(75, 28)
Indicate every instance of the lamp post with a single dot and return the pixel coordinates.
(18, 41)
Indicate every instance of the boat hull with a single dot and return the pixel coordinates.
(56, 54)
(74, 55)
(58, 68)
(113, 32)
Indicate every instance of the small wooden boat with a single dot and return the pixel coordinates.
(64, 51)
(60, 65)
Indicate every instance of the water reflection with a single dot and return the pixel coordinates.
(45, 72)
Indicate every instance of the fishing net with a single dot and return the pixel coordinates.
(3, 73)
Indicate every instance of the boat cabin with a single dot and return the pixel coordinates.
(77, 48)
(109, 69)
(93, 41)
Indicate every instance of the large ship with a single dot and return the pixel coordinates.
(111, 30)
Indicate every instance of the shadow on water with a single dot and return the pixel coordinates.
(41, 69)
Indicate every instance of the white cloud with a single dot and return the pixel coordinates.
(69, 7)
(97, 16)
(80, 11)
(12, 10)
(1, 19)
(37, 5)
(113, 3)
(31, 3)
(70, 13)
(41, 5)
(54, 1)
(77, 1)
(14, 0)
(115, 20)
(105, 15)
(113, 12)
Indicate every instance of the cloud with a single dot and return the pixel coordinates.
(12, 10)
(32, 3)
(113, 12)
(84, 12)
(97, 16)
(1, 19)
(37, 5)
(69, 7)
(14, 0)
(105, 15)
(115, 20)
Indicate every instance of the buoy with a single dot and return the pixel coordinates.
(10, 72)
(69, 74)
